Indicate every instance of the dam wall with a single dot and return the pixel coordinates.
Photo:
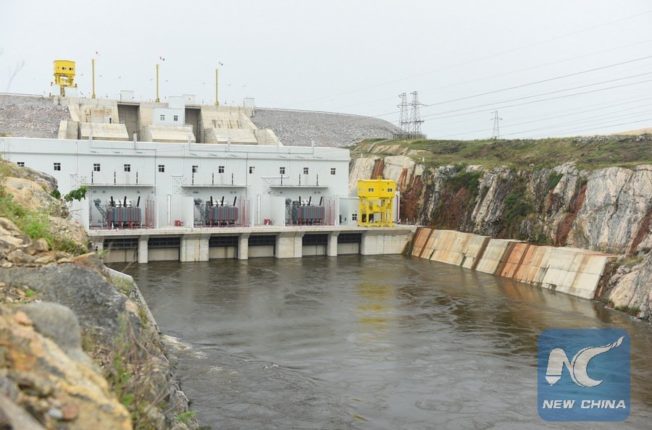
(571, 271)
(185, 244)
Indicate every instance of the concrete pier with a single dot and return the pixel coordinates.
(204, 244)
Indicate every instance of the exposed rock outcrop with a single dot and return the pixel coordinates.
(39, 376)
(78, 346)
(607, 209)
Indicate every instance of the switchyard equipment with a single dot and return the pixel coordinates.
(215, 213)
(299, 212)
(64, 75)
(120, 213)
(376, 207)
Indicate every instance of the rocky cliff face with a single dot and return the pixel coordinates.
(607, 209)
(78, 347)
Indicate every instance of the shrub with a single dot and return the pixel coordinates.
(76, 194)
(553, 180)
(464, 179)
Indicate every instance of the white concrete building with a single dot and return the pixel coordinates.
(150, 201)
(170, 177)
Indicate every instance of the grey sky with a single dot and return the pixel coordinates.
(356, 56)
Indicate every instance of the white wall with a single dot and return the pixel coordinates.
(348, 207)
(77, 158)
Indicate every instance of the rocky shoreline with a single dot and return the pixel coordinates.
(606, 209)
(79, 348)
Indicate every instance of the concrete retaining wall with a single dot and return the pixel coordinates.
(568, 270)
(420, 239)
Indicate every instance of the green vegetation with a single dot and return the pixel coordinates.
(632, 261)
(628, 310)
(517, 206)
(125, 286)
(465, 179)
(553, 180)
(127, 372)
(186, 417)
(586, 152)
(34, 224)
(76, 194)
(458, 195)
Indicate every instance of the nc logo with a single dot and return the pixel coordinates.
(595, 385)
(577, 368)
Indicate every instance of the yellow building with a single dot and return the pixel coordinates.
(376, 202)
(64, 75)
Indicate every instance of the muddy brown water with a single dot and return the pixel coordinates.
(368, 343)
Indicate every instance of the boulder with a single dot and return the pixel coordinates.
(39, 377)
(29, 194)
(95, 301)
(58, 323)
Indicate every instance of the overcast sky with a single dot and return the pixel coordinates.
(356, 56)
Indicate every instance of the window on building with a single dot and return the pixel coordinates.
(389, 190)
(305, 170)
(176, 118)
(127, 167)
(354, 217)
(251, 169)
(161, 168)
(332, 170)
(281, 170)
(195, 169)
(21, 164)
(220, 169)
(162, 117)
(96, 167)
(57, 166)
(371, 190)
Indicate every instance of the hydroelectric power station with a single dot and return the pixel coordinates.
(182, 181)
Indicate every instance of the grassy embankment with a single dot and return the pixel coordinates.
(35, 224)
(586, 152)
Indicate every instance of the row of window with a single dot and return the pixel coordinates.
(306, 170)
(175, 117)
(195, 169)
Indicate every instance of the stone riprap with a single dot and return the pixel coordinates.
(299, 127)
(30, 116)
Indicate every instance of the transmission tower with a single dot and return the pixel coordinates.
(495, 134)
(403, 121)
(416, 121)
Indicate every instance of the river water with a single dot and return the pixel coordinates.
(368, 343)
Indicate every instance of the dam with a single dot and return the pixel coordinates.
(369, 342)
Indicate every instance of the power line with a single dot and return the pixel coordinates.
(564, 114)
(456, 111)
(416, 114)
(519, 98)
(599, 119)
(648, 119)
(496, 126)
(403, 121)
(485, 57)
(594, 69)
(511, 72)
